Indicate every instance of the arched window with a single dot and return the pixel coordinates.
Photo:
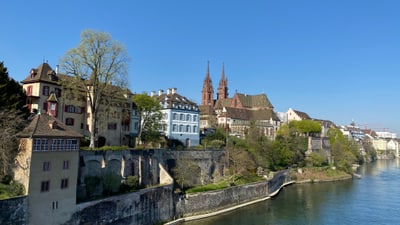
(181, 128)
(188, 129)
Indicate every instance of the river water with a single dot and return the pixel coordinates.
(373, 199)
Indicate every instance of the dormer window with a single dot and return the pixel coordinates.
(53, 124)
(32, 73)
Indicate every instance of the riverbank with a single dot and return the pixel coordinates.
(219, 212)
(319, 174)
(304, 175)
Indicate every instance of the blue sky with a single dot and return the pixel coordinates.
(334, 59)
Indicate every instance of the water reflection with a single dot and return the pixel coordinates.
(374, 199)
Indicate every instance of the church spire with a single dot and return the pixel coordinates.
(223, 85)
(207, 94)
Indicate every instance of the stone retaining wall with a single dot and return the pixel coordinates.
(14, 211)
(206, 202)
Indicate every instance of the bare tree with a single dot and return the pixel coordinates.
(98, 65)
(11, 122)
(186, 173)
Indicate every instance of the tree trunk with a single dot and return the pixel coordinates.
(92, 131)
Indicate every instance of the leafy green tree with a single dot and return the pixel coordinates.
(241, 162)
(98, 65)
(13, 115)
(12, 96)
(214, 140)
(316, 159)
(306, 127)
(111, 183)
(344, 153)
(150, 115)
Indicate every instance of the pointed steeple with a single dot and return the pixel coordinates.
(223, 85)
(207, 94)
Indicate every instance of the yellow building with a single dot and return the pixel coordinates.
(45, 94)
(47, 165)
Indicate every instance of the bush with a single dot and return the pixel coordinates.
(217, 144)
(131, 184)
(92, 183)
(111, 183)
(101, 141)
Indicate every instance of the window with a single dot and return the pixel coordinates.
(69, 121)
(57, 92)
(71, 144)
(194, 129)
(74, 109)
(29, 91)
(46, 166)
(180, 128)
(44, 107)
(46, 91)
(66, 165)
(175, 116)
(57, 144)
(188, 117)
(188, 128)
(45, 186)
(55, 205)
(194, 118)
(40, 144)
(112, 126)
(181, 117)
(64, 183)
(174, 127)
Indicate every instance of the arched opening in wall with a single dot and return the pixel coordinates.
(171, 163)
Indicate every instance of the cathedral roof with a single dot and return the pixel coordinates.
(254, 101)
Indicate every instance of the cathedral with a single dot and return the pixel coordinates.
(235, 114)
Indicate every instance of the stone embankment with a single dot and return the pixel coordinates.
(201, 205)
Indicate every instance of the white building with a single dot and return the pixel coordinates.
(180, 116)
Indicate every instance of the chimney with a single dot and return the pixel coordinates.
(173, 90)
(160, 92)
(168, 91)
(57, 68)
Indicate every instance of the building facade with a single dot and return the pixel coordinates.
(46, 94)
(47, 165)
(181, 117)
(237, 113)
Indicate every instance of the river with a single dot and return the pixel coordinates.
(373, 199)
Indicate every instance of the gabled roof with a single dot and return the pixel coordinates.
(326, 123)
(206, 110)
(221, 103)
(40, 127)
(246, 114)
(177, 99)
(254, 101)
(302, 115)
(44, 73)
